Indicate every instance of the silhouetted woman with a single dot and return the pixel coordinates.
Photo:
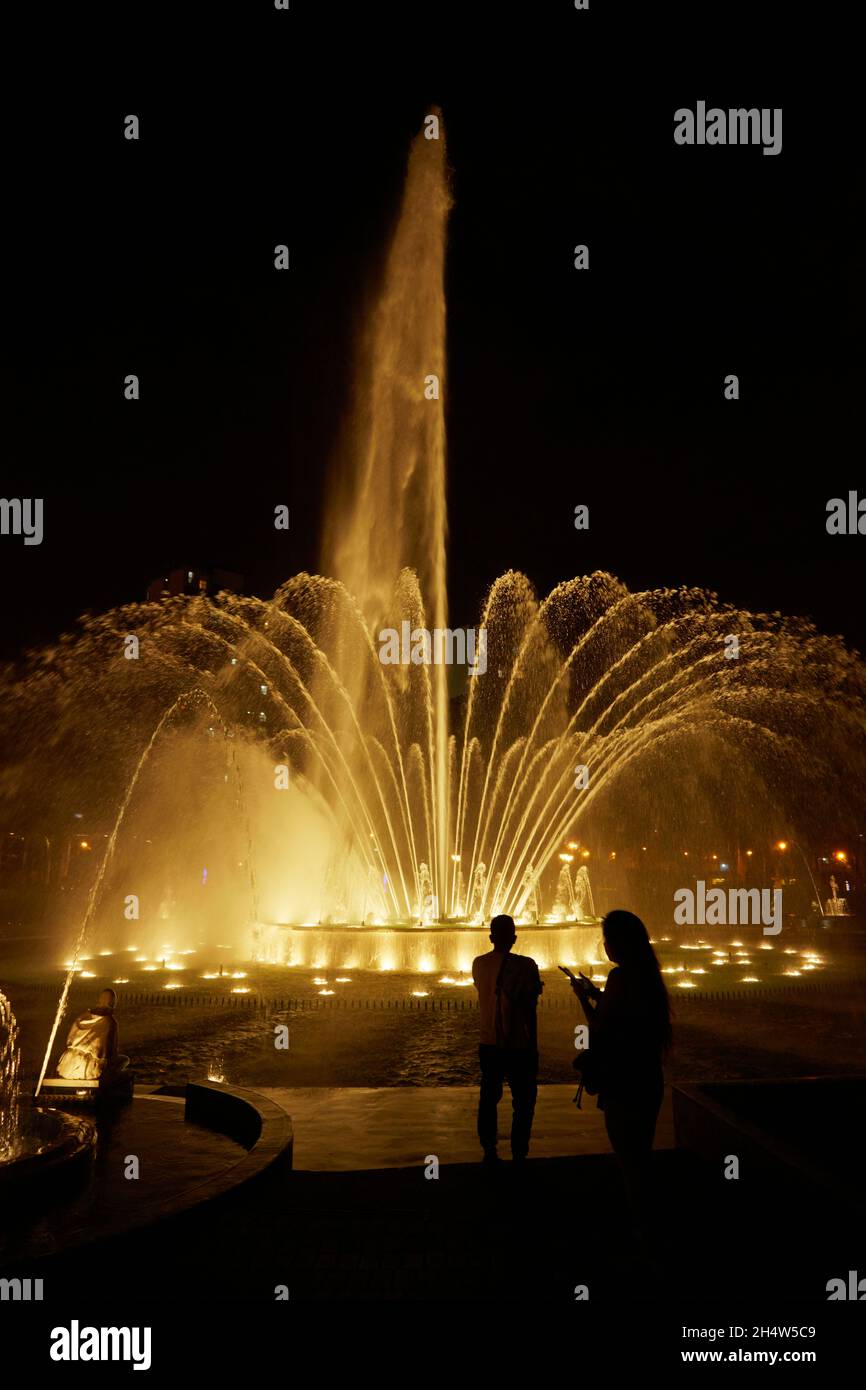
(629, 1034)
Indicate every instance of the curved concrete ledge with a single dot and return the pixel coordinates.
(261, 1126)
(257, 1124)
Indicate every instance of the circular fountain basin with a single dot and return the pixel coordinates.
(409, 947)
(192, 1148)
(56, 1151)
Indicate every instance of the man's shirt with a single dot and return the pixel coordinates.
(507, 1016)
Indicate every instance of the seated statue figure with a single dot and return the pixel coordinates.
(91, 1047)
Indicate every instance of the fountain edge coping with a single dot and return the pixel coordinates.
(269, 1152)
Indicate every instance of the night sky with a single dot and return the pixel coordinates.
(602, 387)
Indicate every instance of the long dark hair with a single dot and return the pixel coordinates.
(632, 949)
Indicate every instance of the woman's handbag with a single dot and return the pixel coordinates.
(588, 1067)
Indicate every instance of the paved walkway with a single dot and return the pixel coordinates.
(355, 1128)
(383, 1232)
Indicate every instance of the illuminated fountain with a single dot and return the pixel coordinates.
(266, 782)
(41, 1151)
(835, 906)
(10, 1058)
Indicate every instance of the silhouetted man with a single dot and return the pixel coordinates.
(508, 990)
(91, 1047)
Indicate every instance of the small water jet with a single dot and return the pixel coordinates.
(10, 1063)
(185, 700)
(835, 906)
(42, 1152)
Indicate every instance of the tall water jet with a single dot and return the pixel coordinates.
(387, 512)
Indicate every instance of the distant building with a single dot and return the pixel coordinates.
(194, 581)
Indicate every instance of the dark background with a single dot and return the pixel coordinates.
(602, 387)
